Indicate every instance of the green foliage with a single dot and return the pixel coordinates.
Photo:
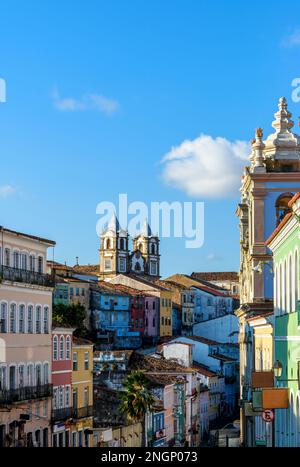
(73, 315)
(136, 398)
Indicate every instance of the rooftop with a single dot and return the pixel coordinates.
(203, 370)
(31, 237)
(156, 364)
(216, 276)
(188, 281)
(80, 341)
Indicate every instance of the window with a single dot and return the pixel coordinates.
(61, 348)
(153, 249)
(71, 291)
(30, 376)
(21, 376)
(162, 320)
(153, 268)
(108, 244)
(55, 398)
(86, 397)
(80, 439)
(75, 362)
(122, 244)
(38, 374)
(74, 439)
(77, 292)
(22, 319)
(24, 261)
(290, 279)
(16, 257)
(55, 348)
(296, 269)
(107, 265)
(68, 348)
(68, 396)
(46, 373)
(32, 263)
(3, 381)
(122, 264)
(40, 265)
(86, 360)
(153, 322)
(83, 292)
(282, 207)
(61, 397)
(7, 257)
(46, 320)
(137, 267)
(12, 318)
(3, 317)
(38, 313)
(30, 319)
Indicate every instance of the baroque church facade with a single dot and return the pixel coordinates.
(117, 258)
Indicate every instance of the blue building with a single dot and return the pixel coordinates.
(110, 311)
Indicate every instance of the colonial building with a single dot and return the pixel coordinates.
(285, 245)
(116, 258)
(267, 187)
(25, 340)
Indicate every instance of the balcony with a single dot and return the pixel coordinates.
(82, 412)
(26, 277)
(230, 379)
(61, 414)
(11, 396)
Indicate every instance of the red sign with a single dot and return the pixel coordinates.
(268, 416)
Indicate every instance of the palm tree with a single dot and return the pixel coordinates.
(137, 400)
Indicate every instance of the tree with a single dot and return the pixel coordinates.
(72, 315)
(137, 400)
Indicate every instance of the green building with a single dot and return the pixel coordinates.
(285, 245)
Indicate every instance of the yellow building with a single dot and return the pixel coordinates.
(165, 317)
(82, 393)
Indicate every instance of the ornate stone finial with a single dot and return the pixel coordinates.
(283, 122)
(259, 133)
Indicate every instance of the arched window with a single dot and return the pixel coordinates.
(61, 348)
(46, 320)
(16, 257)
(296, 286)
(141, 247)
(21, 371)
(290, 282)
(7, 257)
(68, 348)
(24, 261)
(30, 319)
(38, 317)
(137, 267)
(108, 244)
(122, 244)
(22, 318)
(32, 263)
(285, 295)
(3, 317)
(282, 207)
(40, 265)
(12, 318)
(55, 348)
(38, 374)
(46, 373)
(153, 249)
(30, 378)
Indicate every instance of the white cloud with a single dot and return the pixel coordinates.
(206, 167)
(292, 40)
(96, 102)
(7, 190)
(213, 257)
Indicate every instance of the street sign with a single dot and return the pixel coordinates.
(268, 416)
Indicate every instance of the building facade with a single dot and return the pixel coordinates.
(268, 185)
(25, 340)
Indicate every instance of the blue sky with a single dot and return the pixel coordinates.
(99, 92)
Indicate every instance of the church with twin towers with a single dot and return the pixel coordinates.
(117, 258)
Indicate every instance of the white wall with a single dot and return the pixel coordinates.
(219, 329)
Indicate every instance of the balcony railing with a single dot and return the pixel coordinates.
(27, 277)
(83, 412)
(61, 414)
(10, 396)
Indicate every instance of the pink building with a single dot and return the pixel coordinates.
(151, 317)
(25, 340)
(62, 382)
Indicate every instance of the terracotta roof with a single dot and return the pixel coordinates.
(191, 282)
(203, 370)
(108, 288)
(203, 340)
(81, 341)
(161, 380)
(216, 276)
(278, 229)
(294, 199)
(72, 279)
(32, 237)
(87, 268)
(144, 280)
(56, 265)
